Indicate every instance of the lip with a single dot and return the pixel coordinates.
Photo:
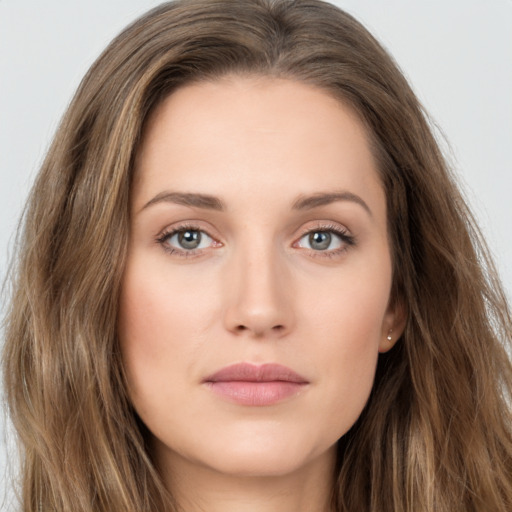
(256, 385)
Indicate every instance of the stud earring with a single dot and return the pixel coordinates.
(389, 335)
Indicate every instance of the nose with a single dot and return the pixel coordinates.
(259, 302)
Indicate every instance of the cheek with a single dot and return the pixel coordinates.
(159, 310)
(160, 337)
(346, 323)
(347, 365)
(349, 312)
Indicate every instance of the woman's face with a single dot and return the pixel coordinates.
(255, 297)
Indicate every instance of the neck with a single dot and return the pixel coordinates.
(198, 488)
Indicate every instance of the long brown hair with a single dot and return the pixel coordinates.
(436, 434)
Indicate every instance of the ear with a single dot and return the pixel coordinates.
(393, 325)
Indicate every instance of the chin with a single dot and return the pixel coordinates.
(261, 464)
(260, 454)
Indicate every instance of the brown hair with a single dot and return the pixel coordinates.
(436, 433)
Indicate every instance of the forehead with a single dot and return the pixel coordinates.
(231, 134)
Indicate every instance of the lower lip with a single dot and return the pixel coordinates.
(256, 393)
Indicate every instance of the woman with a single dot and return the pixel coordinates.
(248, 282)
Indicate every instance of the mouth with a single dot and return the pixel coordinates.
(256, 385)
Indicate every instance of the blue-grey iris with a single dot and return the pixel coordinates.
(189, 239)
(320, 240)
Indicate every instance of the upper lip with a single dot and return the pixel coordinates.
(247, 372)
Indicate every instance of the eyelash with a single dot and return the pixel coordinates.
(169, 233)
(342, 233)
(347, 240)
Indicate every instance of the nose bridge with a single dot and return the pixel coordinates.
(259, 303)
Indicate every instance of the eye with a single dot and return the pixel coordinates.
(186, 240)
(320, 241)
(325, 240)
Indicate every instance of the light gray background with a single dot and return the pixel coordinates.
(457, 54)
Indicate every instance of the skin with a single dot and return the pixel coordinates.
(257, 290)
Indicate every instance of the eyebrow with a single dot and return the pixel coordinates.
(187, 199)
(208, 202)
(322, 199)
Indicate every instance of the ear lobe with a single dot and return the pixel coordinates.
(393, 325)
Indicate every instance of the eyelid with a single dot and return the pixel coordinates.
(337, 229)
(169, 231)
(333, 226)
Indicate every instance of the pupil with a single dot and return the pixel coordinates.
(320, 240)
(189, 239)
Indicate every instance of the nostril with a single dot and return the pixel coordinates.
(276, 328)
